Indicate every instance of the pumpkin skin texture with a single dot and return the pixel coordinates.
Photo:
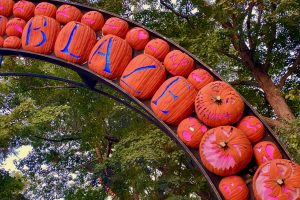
(66, 13)
(12, 42)
(191, 131)
(45, 9)
(200, 78)
(15, 26)
(173, 101)
(137, 38)
(39, 34)
(252, 127)
(218, 104)
(1, 41)
(178, 63)
(143, 76)
(6, 7)
(266, 151)
(115, 26)
(157, 48)
(93, 19)
(225, 150)
(234, 188)
(74, 42)
(3, 22)
(110, 56)
(24, 9)
(277, 179)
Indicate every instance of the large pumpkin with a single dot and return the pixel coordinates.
(93, 19)
(39, 34)
(137, 38)
(6, 7)
(115, 26)
(191, 131)
(157, 48)
(1, 41)
(12, 42)
(277, 180)
(45, 9)
(174, 100)
(74, 42)
(200, 78)
(110, 56)
(225, 150)
(3, 22)
(24, 9)
(265, 151)
(15, 26)
(252, 127)
(179, 63)
(66, 13)
(218, 104)
(234, 188)
(143, 76)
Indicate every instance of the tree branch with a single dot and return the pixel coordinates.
(289, 72)
(244, 82)
(272, 122)
(60, 140)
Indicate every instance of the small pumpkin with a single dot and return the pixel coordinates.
(200, 78)
(93, 19)
(234, 188)
(3, 22)
(225, 150)
(24, 9)
(218, 104)
(178, 63)
(252, 127)
(74, 42)
(12, 42)
(67, 13)
(191, 131)
(143, 76)
(45, 9)
(137, 38)
(174, 100)
(115, 26)
(1, 41)
(6, 7)
(15, 26)
(277, 179)
(157, 48)
(265, 151)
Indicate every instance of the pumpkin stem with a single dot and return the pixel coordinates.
(223, 144)
(218, 99)
(280, 181)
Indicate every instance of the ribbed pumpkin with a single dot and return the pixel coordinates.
(277, 180)
(137, 38)
(225, 150)
(265, 151)
(174, 100)
(3, 22)
(143, 76)
(234, 188)
(93, 19)
(178, 63)
(15, 26)
(39, 34)
(110, 56)
(252, 127)
(157, 48)
(74, 42)
(218, 104)
(200, 78)
(66, 13)
(12, 42)
(191, 131)
(45, 9)
(6, 7)
(1, 41)
(115, 26)
(24, 9)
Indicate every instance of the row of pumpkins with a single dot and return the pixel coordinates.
(224, 149)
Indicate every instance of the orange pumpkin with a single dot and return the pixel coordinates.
(1, 41)
(191, 131)
(252, 127)
(278, 179)
(40, 34)
(225, 150)
(234, 188)
(24, 9)
(143, 76)
(66, 13)
(218, 104)
(137, 38)
(15, 26)
(115, 26)
(174, 100)
(265, 151)
(110, 56)
(6, 7)
(179, 63)
(74, 42)
(45, 9)
(3, 22)
(157, 48)
(93, 19)
(200, 78)
(12, 42)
